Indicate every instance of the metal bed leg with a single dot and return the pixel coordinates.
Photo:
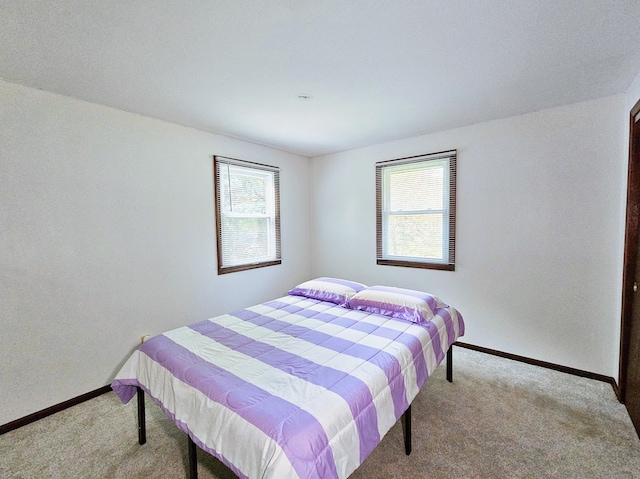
(193, 459)
(407, 413)
(142, 427)
(407, 431)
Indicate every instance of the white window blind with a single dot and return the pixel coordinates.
(415, 211)
(247, 214)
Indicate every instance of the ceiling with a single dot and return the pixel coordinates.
(376, 70)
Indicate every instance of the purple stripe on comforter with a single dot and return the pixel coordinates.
(355, 392)
(407, 339)
(385, 361)
(297, 432)
(185, 427)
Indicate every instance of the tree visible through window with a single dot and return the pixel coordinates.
(415, 211)
(247, 197)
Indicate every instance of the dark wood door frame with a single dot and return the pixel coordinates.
(630, 249)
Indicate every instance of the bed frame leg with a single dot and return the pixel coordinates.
(407, 431)
(193, 459)
(142, 427)
(450, 364)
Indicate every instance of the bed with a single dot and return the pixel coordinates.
(304, 386)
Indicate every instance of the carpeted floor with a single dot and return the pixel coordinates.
(498, 419)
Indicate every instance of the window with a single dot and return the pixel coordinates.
(247, 197)
(416, 211)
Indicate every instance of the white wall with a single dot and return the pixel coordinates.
(539, 230)
(633, 93)
(107, 233)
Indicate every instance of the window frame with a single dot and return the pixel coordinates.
(259, 168)
(449, 210)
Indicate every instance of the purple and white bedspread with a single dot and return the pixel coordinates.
(292, 388)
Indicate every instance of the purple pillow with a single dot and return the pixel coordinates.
(410, 305)
(328, 289)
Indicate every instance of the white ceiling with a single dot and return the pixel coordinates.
(377, 70)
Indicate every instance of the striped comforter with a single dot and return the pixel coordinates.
(292, 388)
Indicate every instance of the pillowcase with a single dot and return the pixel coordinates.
(333, 290)
(410, 305)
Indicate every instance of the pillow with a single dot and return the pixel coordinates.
(328, 289)
(410, 305)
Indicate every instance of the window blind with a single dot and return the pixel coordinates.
(247, 199)
(416, 211)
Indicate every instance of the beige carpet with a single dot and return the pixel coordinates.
(499, 419)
